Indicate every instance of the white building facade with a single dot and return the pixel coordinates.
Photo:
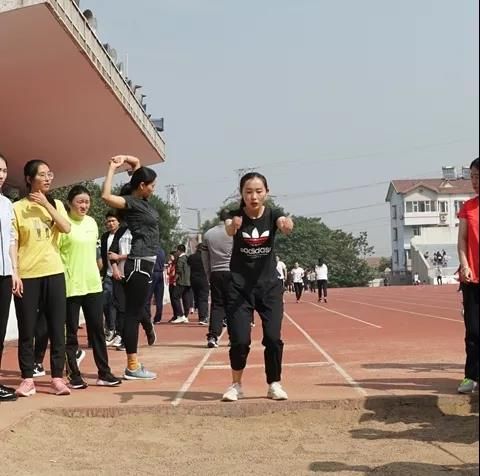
(425, 206)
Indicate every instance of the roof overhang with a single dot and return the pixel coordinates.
(64, 101)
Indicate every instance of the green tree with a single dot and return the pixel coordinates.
(342, 252)
(384, 264)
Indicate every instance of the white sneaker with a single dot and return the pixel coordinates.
(233, 393)
(180, 320)
(117, 341)
(276, 392)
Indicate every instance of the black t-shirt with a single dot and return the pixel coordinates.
(142, 221)
(253, 254)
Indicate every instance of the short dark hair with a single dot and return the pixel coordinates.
(474, 164)
(224, 214)
(112, 213)
(77, 190)
(181, 248)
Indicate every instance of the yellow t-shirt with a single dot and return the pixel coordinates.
(38, 239)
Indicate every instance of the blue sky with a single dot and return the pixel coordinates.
(318, 95)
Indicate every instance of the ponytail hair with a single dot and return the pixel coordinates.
(144, 175)
(30, 170)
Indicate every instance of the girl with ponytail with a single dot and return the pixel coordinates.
(141, 219)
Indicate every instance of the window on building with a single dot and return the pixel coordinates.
(443, 206)
(395, 256)
(422, 206)
(417, 231)
(458, 204)
(395, 234)
(394, 212)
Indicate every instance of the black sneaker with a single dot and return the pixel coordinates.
(121, 347)
(108, 380)
(7, 394)
(77, 383)
(151, 336)
(38, 370)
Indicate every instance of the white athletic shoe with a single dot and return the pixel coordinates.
(276, 392)
(180, 320)
(233, 393)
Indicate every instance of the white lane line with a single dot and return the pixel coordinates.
(413, 303)
(191, 378)
(344, 315)
(404, 311)
(261, 366)
(338, 368)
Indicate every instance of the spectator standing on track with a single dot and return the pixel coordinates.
(39, 220)
(216, 255)
(171, 283)
(439, 276)
(9, 280)
(468, 253)
(84, 289)
(199, 283)
(255, 285)
(112, 224)
(281, 271)
(182, 291)
(157, 288)
(312, 280)
(321, 273)
(142, 220)
(297, 277)
(416, 279)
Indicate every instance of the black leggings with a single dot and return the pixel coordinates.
(92, 306)
(470, 315)
(138, 277)
(298, 290)
(5, 299)
(322, 286)
(267, 300)
(49, 295)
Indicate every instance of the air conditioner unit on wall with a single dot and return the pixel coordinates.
(443, 217)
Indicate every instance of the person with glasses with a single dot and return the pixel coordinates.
(38, 222)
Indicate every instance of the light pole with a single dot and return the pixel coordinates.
(199, 221)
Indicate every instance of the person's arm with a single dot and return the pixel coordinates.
(17, 284)
(115, 163)
(465, 271)
(60, 221)
(285, 225)
(206, 260)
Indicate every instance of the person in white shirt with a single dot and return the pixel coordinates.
(297, 277)
(281, 271)
(321, 272)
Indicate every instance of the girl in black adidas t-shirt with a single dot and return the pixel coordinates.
(255, 285)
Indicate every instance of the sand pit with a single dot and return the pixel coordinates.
(303, 442)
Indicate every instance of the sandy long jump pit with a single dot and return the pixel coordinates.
(382, 436)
